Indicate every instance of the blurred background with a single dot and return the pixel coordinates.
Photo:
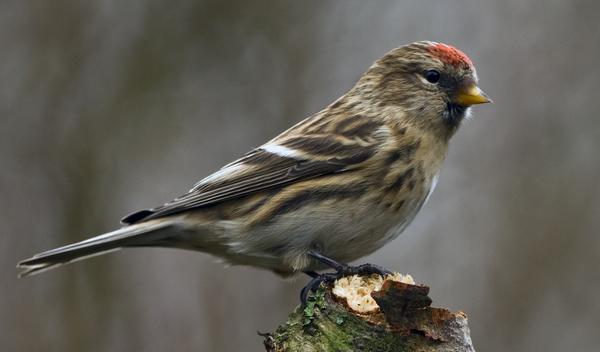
(109, 106)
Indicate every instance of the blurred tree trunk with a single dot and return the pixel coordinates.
(401, 320)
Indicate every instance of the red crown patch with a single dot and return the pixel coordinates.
(450, 55)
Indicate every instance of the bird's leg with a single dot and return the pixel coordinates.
(311, 273)
(341, 270)
(338, 267)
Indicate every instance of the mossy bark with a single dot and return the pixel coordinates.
(404, 322)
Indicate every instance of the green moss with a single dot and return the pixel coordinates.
(314, 301)
(324, 325)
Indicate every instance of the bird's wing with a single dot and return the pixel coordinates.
(275, 164)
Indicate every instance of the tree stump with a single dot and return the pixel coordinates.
(371, 314)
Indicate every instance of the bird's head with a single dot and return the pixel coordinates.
(433, 84)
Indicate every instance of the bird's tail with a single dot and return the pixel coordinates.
(142, 234)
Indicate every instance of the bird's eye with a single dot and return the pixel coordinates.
(432, 76)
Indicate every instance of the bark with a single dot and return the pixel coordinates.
(400, 319)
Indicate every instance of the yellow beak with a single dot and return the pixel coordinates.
(471, 95)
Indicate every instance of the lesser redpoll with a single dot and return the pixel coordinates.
(333, 188)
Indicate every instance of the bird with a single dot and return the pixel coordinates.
(330, 190)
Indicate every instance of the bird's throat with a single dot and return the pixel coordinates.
(454, 114)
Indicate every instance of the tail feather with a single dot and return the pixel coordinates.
(142, 234)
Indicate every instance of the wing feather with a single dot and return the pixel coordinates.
(258, 170)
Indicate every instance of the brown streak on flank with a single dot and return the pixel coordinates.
(397, 185)
(399, 205)
(421, 170)
(303, 197)
(259, 203)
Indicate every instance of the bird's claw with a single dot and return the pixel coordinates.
(366, 269)
(344, 270)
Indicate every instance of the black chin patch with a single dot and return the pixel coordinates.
(454, 114)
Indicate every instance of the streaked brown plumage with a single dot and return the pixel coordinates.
(341, 183)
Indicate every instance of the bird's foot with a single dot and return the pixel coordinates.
(341, 270)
